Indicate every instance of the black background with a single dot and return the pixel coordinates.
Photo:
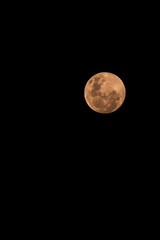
(63, 149)
(62, 134)
(61, 54)
(55, 55)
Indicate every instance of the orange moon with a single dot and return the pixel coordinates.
(104, 92)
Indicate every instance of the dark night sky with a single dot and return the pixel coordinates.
(60, 58)
(58, 53)
(61, 150)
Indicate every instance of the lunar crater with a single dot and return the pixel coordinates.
(95, 89)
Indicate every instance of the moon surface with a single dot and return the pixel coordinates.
(104, 92)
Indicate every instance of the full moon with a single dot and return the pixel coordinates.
(104, 92)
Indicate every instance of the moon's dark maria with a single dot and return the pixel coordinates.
(104, 92)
